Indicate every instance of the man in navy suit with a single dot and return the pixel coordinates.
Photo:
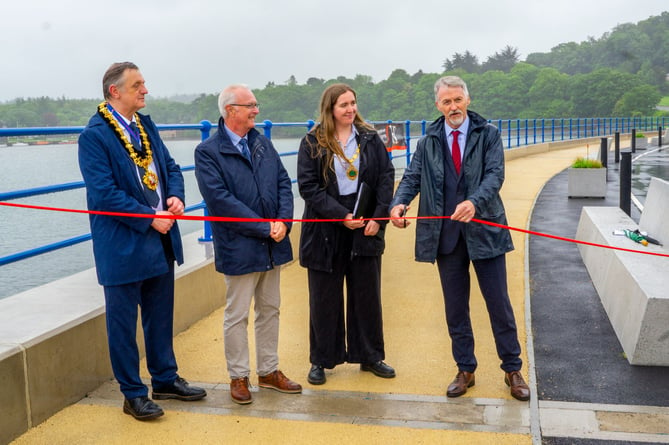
(458, 168)
(128, 169)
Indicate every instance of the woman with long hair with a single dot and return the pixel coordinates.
(344, 174)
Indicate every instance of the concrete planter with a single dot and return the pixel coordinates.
(641, 143)
(587, 182)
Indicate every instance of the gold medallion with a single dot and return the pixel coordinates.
(150, 179)
(351, 172)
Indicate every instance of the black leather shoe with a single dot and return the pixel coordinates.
(316, 375)
(142, 408)
(379, 369)
(179, 390)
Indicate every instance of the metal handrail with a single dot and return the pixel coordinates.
(515, 132)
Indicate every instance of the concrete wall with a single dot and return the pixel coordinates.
(56, 337)
(561, 145)
(656, 211)
(53, 339)
(14, 412)
(631, 286)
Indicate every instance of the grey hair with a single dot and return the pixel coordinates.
(229, 96)
(449, 81)
(114, 76)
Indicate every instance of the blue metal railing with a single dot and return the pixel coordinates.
(515, 132)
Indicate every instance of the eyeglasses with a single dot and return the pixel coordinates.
(249, 106)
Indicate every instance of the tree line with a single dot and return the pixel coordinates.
(623, 73)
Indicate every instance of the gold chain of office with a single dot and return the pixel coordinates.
(149, 178)
(351, 171)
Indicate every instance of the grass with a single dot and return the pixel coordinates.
(664, 102)
(582, 162)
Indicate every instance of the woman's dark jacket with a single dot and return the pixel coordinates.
(234, 187)
(321, 198)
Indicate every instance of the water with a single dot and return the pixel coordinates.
(35, 166)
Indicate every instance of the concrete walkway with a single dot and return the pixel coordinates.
(357, 407)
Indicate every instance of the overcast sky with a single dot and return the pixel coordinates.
(62, 47)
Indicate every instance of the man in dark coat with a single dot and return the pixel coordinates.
(240, 175)
(458, 169)
(128, 169)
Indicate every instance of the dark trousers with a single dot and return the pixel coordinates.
(455, 283)
(363, 331)
(155, 297)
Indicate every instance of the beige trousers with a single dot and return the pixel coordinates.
(263, 288)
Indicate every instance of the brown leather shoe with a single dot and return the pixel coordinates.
(519, 389)
(458, 387)
(239, 391)
(278, 381)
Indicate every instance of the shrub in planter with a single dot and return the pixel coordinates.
(582, 162)
(641, 141)
(586, 179)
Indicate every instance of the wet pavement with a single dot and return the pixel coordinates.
(647, 163)
(577, 355)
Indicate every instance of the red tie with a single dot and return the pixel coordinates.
(455, 151)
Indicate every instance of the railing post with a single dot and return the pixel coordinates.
(204, 134)
(543, 129)
(508, 133)
(407, 138)
(626, 182)
(633, 141)
(616, 141)
(205, 129)
(206, 237)
(268, 129)
(390, 153)
(534, 131)
(604, 151)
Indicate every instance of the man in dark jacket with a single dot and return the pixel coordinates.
(127, 169)
(240, 175)
(458, 168)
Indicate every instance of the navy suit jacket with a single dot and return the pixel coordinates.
(126, 249)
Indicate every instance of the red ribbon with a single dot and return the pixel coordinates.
(234, 219)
